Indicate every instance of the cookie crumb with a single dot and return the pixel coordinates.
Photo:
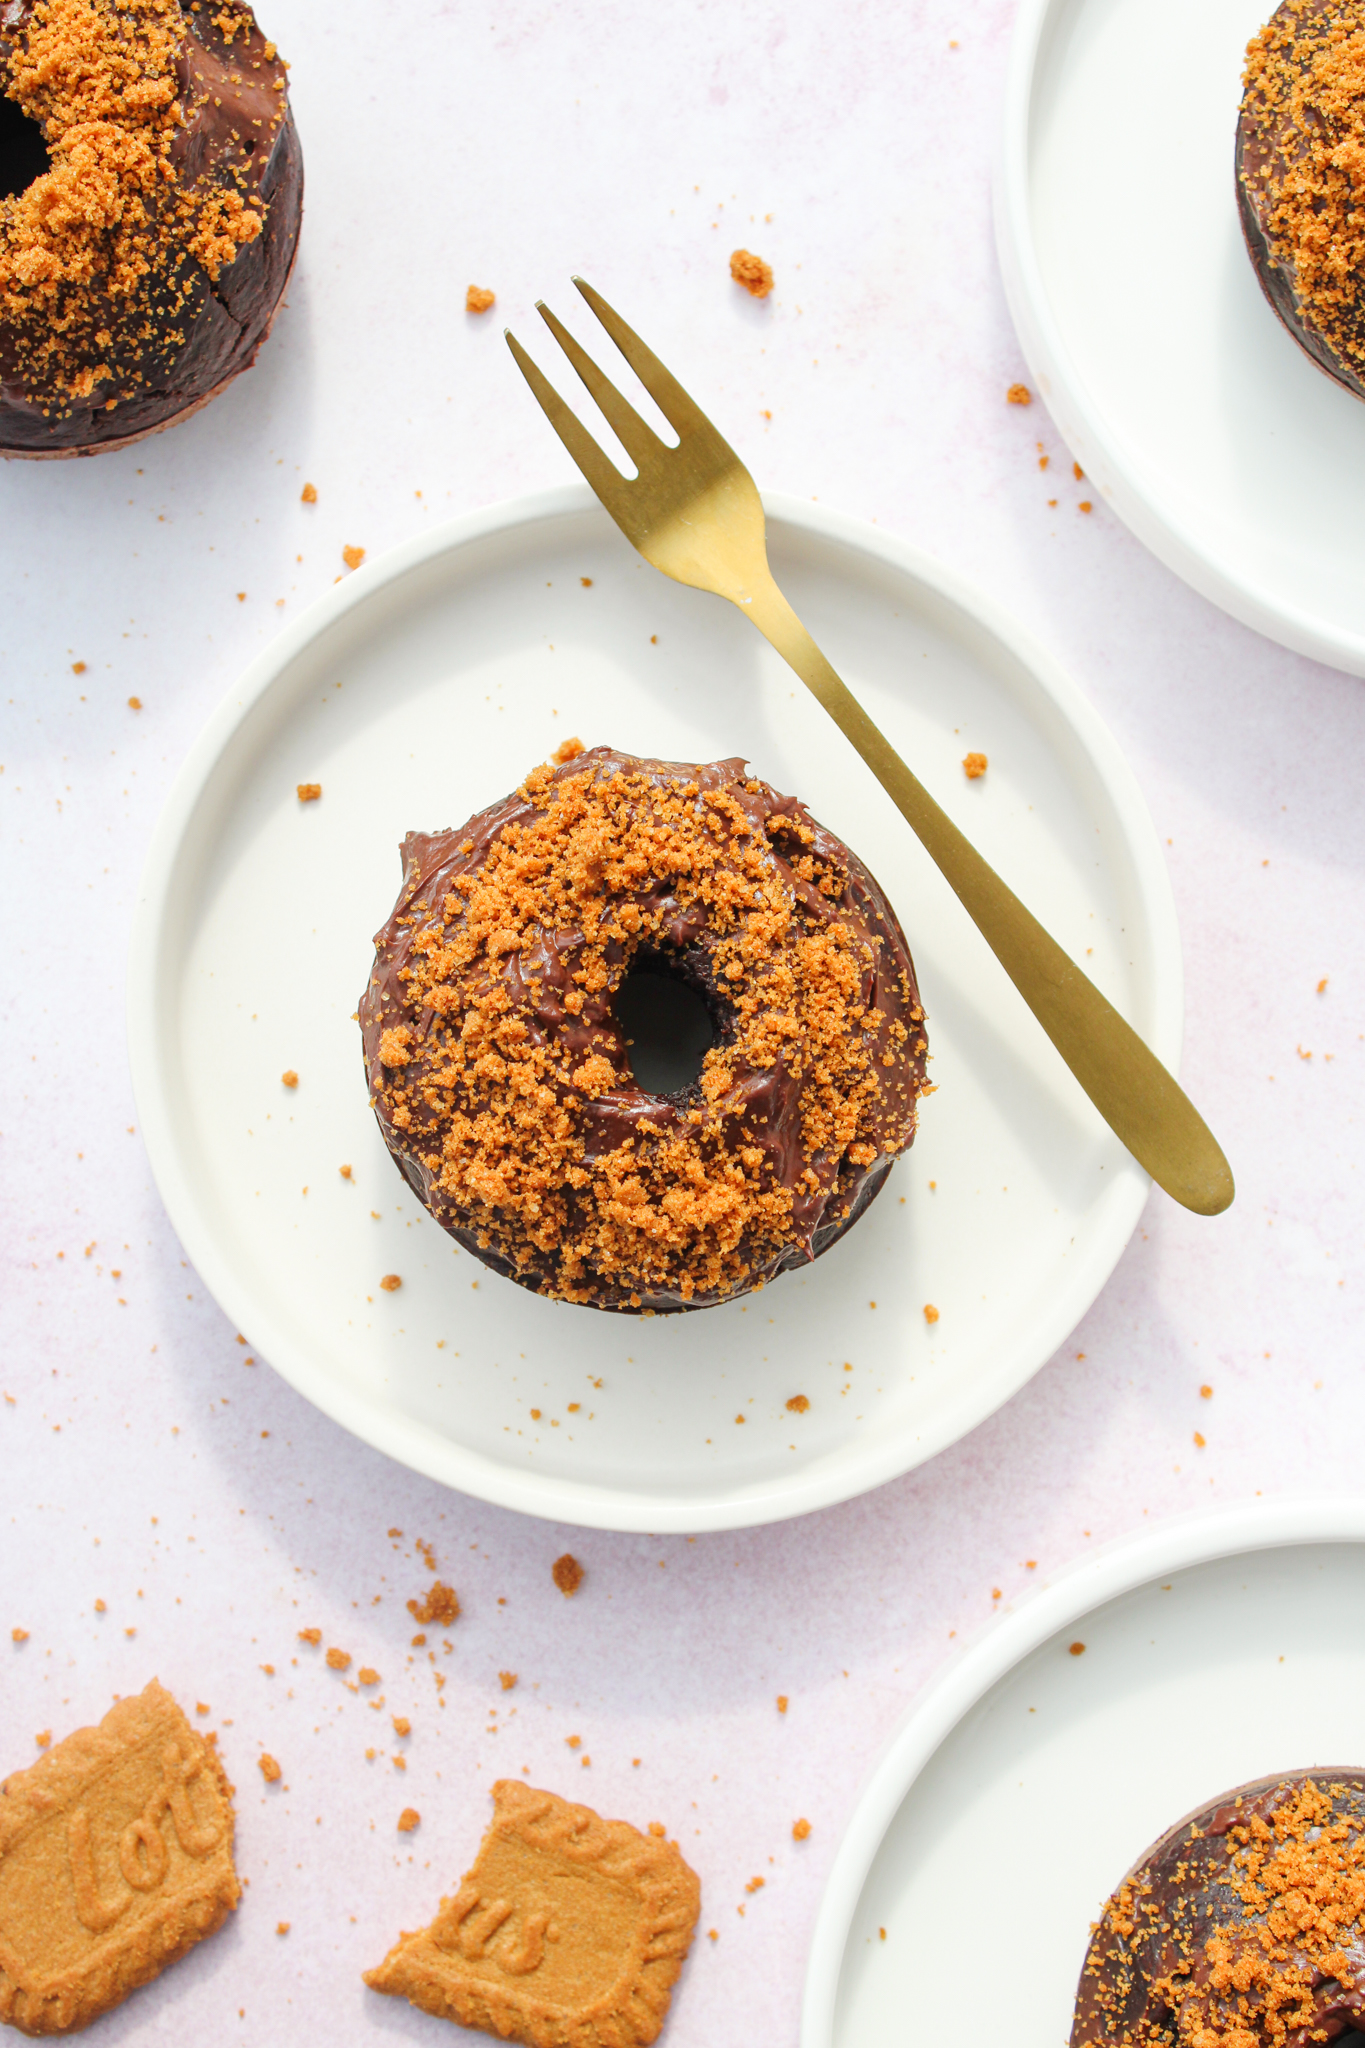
(507, 1679)
(309, 792)
(135, 703)
(478, 299)
(352, 556)
(930, 1312)
(568, 750)
(974, 766)
(268, 1768)
(78, 668)
(1076, 1649)
(281, 1927)
(800, 1830)
(44, 1739)
(567, 1574)
(308, 495)
(798, 1404)
(338, 1660)
(781, 1703)
(1018, 394)
(391, 1283)
(408, 1819)
(345, 1172)
(18, 1635)
(367, 1675)
(752, 272)
(440, 1606)
(289, 1078)
(310, 1635)
(401, 1725)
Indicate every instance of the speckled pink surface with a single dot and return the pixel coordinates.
(148, 1463)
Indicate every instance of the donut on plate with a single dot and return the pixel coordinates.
(500, 1067)
(1301, 178)
(151, 187)
(1243, 1927)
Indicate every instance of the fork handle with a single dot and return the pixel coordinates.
(1128, 1085)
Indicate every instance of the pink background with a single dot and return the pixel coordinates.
(146, 1462)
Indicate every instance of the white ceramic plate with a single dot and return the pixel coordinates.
(1026, 1781)
(426, 686)
(1185, 401)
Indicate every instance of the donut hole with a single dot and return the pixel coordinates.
(23, 153)
(667, 1027)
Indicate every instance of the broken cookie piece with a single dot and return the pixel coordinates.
(115, 1860)
(569, 1928)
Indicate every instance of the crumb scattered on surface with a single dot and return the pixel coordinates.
(281, 1927)
(781, 1703)
(338, 1660)
(408, 1819)
(268, 1768)
(798, 1404)
(800, 1830)
(135, 703)
(568, 750)
(18, 1635)
(401, 1725)
(289, 1078)
(478, 299)
(44, 1738)
(352, 556)
(930, 1312)
(974, 766)
(1019, 394)
(440, 1606)
(1076, 1649)
(752, 272)
(310, 1635)
(309, 494)
(309, 792)
(391, 1283)
(507, 1679)
(567, 1573)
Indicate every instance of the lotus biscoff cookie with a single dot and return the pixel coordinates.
(115, 1859)
(569, 1932)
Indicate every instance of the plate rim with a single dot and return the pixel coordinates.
(1079, 420)
(1122, 1566)
(582, 1503)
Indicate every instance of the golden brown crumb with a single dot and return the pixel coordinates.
(568, 750)
(135, 703)
(1322, 986)
(1019, 394)
(567, 1574)
(338, 1660)
(755, 1884)
(1085, 506)
(930, 1312)
(800, 1830)
(78, 668)
(1199, 1441)
(345, 1172)
(440, 1606)
(201, 1706)
(268, 1768)
(408, 1819)
(352, 556)
(309, 494)
(401, 1725)
(974, 766)
(43, 1739)
(18, 1635)
(586, 581)
(281, 1927)
(391, 1283)
(752, 272)
(310, 1635)
(507, 1679)
(478, 299)
(798, 1404)
(309, 792)
(1077, 1649)
(367, 1675)
(289, 1078)
(781, 1703)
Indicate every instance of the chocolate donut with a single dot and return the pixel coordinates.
(1245, 1924)
(1301, 178)
(151, 187)
(500, 1066)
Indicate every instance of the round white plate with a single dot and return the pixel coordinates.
(426, 686)
(1025, 1781)
(1185, 401)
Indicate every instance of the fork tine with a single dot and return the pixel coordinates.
(636, 436)
(603, 475)
(664, 388)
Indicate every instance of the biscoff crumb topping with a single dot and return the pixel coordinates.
(100, 254)
(490, 1106)
(1305, 92)
(1298, 1871)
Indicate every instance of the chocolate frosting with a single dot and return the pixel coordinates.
(764, 1109)
(1179, 1895)
(1272, 146)
(239, 133)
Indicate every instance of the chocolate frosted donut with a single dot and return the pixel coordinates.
(500, 1065)
(1301, 178)
(1244, 1925)
(151, 187)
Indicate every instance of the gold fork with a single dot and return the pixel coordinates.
(694, 512)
